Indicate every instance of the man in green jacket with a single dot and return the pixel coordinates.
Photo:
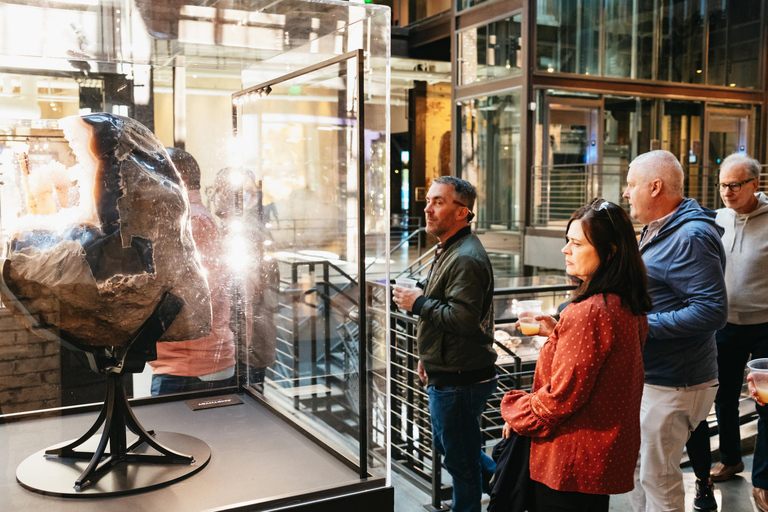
(455, 338)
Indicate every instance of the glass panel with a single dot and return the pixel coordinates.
(490, 51)
(629, 38)
(681, 134)
(723, 137)
(682, 37)
(405, 12)
(626, 134)
(301, 143)
(568, 37)
(490, 158)
(627, 129)
(565, 176)
(735, 43)
(297, 183)
(466, 4)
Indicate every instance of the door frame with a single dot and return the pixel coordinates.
(746, 129)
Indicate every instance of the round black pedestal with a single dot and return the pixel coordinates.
(56, 476)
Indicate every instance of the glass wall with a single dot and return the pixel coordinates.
(568, 39)
(490, 51)
(681, 57)
(466, 4)
(735, 28)
(489, 156)
(688, 41)
(629, 39)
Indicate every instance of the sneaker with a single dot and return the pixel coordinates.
(705, 496)
(721, 472)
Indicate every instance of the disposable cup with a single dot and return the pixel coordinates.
(759, 370)
(405, 282)
(527, 311)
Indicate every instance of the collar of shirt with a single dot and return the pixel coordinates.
(441, 247)
(653, 228)
(466, 230)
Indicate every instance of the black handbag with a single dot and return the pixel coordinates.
(511, 485)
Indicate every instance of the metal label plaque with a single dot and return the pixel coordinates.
(212, 401)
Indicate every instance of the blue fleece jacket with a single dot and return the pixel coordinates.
(685, 262)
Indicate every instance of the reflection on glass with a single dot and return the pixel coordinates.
(465, 4)
(652, 39)
(568, 169)
(568, 36)
(207, 362)
(490, 158)
(735, 43)
(302, 152)
(301, 146)
(490, 51)
(682, 38)
(629, 38)
(681, 134)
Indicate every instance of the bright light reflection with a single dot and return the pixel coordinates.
(236, 178)
(236, 226)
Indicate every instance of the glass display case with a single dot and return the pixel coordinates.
(193, 214)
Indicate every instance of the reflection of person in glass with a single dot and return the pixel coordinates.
(583, 414)
(207, 362)
(245, 237)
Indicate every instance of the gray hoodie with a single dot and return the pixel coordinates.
(746, 248)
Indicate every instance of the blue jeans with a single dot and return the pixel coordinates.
(455, 413)
(165, 384)
(737, 344)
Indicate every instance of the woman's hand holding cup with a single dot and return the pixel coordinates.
(753, 389)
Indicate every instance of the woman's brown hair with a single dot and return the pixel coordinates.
(621, 270)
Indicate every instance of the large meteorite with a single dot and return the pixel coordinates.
(102, 242)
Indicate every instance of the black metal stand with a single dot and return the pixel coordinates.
(115, 362)
(116, 415)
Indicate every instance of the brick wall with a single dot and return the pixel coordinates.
(30, 368)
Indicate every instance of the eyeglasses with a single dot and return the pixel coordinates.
(735, 186)
(605, 206)
(470, 215)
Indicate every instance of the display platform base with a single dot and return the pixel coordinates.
(259, 462)
(56, 476)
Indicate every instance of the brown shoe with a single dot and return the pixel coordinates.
(761, 498)
(721, 472)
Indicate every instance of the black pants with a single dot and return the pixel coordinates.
(550, 500)
(699, 452)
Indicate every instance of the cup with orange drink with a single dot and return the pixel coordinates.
(527, 311)
(759, 370)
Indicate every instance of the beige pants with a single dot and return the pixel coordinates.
(667, 418)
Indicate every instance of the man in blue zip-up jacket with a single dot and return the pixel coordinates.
(685, 261)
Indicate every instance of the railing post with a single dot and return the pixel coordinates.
(313, 339)
(327, 329)
(296, 335)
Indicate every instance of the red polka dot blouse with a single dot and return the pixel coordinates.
(584, 411)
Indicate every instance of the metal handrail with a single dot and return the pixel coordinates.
(410, 432)
(422, 262)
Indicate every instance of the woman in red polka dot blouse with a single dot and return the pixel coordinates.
(583, 414)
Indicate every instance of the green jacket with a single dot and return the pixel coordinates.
(455, 328)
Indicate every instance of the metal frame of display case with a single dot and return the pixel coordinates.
(364, 296)
(368, 482)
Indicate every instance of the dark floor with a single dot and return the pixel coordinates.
(256, 456)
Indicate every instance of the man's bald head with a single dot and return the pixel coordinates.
(661, 165)
(654, 185)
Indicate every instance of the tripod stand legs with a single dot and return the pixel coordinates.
(116, 415)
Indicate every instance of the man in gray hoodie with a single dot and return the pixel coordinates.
(745, 336)
(684, 259)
